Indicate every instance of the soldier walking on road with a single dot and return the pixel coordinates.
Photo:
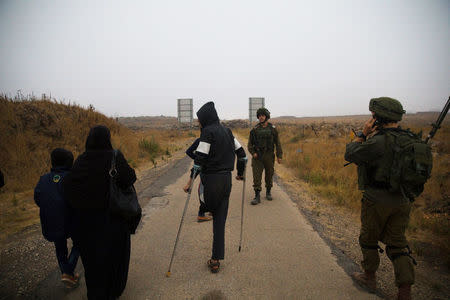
(387, 196)
(262, 142)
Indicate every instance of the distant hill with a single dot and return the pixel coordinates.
(422, 116)
(163, 122)
(147, 122)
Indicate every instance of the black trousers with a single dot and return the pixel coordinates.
(217, 195)
(67, 262)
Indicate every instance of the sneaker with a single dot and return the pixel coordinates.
(69, 280)
(203, 218)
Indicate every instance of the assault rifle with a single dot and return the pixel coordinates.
(438, 122)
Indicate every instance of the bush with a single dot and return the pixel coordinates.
(151, 146)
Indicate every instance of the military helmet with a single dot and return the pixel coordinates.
(263, 111)
(387, 108)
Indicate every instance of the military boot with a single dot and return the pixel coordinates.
(366, 280)
(268, 195)
(404, 292)
(257, 198)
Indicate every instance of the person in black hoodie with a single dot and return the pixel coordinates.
(104, 240)
(56, 216)
(215, 155)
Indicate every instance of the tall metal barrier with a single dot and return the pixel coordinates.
(254, 104)
(185, 111)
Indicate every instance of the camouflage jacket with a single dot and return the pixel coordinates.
(264, 140)
(374, 160)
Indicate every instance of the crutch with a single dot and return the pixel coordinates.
(196, 170)
(242, 205)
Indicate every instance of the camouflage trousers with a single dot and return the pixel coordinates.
(258, 165)
(386, 223)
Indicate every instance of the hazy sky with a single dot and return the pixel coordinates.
(307, 58)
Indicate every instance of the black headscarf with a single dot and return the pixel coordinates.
(87, 185)
(99, 138)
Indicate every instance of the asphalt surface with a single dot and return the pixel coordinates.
(282, 257)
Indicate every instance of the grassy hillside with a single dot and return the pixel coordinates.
(31, 129)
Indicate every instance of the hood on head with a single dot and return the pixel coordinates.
(61, 158)
(99, 138)
(207, 114)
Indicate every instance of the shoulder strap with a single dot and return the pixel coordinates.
(272, 129)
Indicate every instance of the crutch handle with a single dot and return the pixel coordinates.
(197, 169)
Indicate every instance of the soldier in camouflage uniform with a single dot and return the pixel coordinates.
(261, 144)
(384, 214)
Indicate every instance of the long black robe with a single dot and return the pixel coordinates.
(104, 240)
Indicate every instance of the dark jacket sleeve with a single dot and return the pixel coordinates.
(240, 153)
(37, 193)
(191, 150)
(191, 153)
(364, 152)
(276, 140)
(2, 179)
(125, 173)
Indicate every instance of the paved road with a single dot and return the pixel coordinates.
(282, 256)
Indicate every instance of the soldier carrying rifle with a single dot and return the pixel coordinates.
(393, 166)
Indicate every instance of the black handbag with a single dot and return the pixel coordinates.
(123, 202)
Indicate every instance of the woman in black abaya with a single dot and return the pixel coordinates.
(104, 240)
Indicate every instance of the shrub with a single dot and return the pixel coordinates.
(151, 146)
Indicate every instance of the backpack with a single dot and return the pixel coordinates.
(411, 165)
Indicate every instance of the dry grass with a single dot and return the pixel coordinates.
(31, 129)
(314, 150)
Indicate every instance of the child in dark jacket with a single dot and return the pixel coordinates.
(202, 208)
(56, 216)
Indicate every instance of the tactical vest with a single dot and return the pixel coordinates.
(264, 138)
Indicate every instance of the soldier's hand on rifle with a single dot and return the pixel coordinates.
(255, 155)
(279, 160)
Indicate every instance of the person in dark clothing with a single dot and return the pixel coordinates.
(215, 155)
(56, 216)
(201, 217)
(2, 179)
(104, 240)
